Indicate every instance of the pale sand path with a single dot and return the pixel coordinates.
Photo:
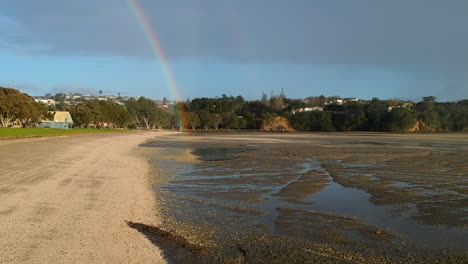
(66, 200)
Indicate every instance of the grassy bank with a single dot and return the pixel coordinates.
(6, 132)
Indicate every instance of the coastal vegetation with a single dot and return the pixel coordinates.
(19, 107)
(233, 113)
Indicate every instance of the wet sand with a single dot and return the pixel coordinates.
(299, 198)
(68, 200)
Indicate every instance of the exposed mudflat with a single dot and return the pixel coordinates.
(298, 198)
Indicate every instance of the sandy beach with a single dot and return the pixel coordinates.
(68, 199)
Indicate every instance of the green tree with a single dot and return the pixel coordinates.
(355, 116)
(312, 121)
(460, 115)
(163, 119)
(322, 100)
(282, 94)
(206, 119)
(444, 112)
(59, 97)
(376, 113)
(193, 120)
(264, 98)
(400, 119)
(31, 112)
(427, 112)
(97, 113)
(144, 110)
(17, 106)
(217, 119)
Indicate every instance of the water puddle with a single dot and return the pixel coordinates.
(336, 199)
(340, 200)
(404, 184)
(219, 153)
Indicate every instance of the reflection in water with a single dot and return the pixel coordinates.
(219, 153)
(219, 194)
(308, 198)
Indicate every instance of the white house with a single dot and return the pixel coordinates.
(353, 99)
(45, 101)
(307, 109)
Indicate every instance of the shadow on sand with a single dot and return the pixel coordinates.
(177, 249)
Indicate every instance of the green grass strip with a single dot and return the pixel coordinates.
(7, 132)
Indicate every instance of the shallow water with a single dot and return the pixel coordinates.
(403, 184)
(219, 153)
(336, 199)
(191, 182)
(278, 195)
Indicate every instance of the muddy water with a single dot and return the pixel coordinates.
(219, 153)
(340, 200)
(264, 203)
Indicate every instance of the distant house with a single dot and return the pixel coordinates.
(307, 109)
(336, 101)
(352, 99)
(61, 119)
(45, 101)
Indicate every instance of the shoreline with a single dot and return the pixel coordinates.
(69, 199)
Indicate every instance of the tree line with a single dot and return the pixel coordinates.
(379, 115)
(228, 113)
(141, 112)
(374, 115)
(19, 108)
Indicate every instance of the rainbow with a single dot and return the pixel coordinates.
(158, 52)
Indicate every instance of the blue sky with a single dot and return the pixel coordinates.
(363, 48)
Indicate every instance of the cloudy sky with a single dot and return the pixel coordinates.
(363, 48)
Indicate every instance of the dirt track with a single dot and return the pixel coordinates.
(67, 200)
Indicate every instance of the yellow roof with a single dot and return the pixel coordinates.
(61, 116)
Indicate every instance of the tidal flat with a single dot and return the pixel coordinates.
(311, 197)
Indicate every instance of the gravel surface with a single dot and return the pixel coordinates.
(68, 200)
